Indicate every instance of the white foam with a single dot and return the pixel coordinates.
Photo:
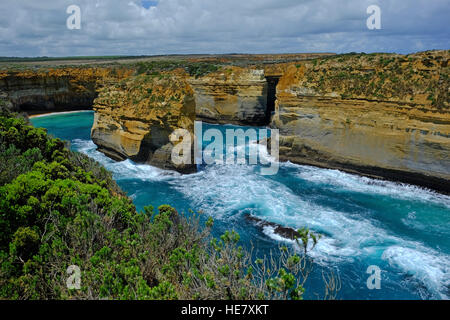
(270, 232)
(222, 190)
(125, 169)
(357, 183)
(424, 264)
(225, 190)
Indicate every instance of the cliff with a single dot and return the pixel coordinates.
(378, 115)
(135, 117)
(231, 95)
(54, 89)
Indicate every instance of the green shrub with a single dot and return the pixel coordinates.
(61, 208)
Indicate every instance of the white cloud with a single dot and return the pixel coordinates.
(30, 28)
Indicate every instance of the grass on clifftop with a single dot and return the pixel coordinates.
(416, 78)
(194, 69)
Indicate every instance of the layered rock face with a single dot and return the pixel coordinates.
(134, 119)
(380, 115)
(52, 89)
(377, 115)
(232, 95)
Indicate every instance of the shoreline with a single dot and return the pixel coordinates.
(427, 182)
(435, 184)
(46, 114)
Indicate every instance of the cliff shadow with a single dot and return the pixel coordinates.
(38, 106)
(272, 82)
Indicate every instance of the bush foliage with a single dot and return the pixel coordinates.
(59, 208)
(194, 69)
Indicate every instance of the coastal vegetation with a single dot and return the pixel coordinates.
(415, 78)
(59, 208)
(194, 69)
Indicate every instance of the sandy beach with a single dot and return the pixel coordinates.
(55, 113)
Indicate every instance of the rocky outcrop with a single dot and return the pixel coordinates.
(134, 118)
(231, 95)
(54, 89)
(381, 115)
(282, 231)
(378, 115)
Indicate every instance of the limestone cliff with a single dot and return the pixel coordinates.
(231, 95)
(379, 115)
(54, 89)
(135, 117)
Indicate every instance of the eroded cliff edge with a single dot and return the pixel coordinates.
(134, 118)
(231, 95)
(383, 116)
(380, 115)
(54, 89)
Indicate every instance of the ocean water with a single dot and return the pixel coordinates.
(402, 229)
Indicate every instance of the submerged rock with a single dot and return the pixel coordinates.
(282, 231)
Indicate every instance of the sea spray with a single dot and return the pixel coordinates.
(403, 229)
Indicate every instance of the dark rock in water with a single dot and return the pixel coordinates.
(284, 232)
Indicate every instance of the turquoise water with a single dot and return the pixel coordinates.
(402, 229)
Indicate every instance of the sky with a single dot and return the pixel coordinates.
(144, 27)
